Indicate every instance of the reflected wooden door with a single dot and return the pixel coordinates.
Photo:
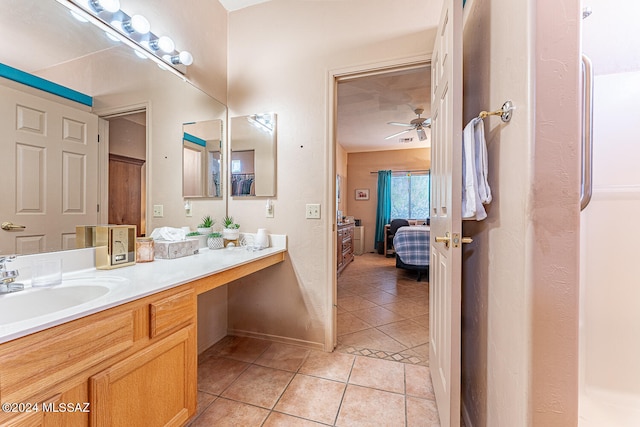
(125, 191)
(446, 174)
(49, 171)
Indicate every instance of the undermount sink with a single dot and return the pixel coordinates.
(35, 302)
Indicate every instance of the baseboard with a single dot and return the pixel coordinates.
(276, 338)
(465, 416)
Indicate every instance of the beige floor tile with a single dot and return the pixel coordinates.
(282, 356)
(259, 386)
(215, 374)
(372, 339)
(422, 413)
(240, 348)
(407, 332)
(418, 382)
(312, 398)
(376, 316)
(379, 374)
(407, 308)
(277, 419)
(224, 412)
(354, 302)
(332, 366)
(204, 400)
(422, 351)
(363, 406)
(422, 320)
(380, 297)
(348, 323)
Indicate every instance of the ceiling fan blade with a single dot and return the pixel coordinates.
(427, 122)
(399, 133)
(422, 135)
(399, 124)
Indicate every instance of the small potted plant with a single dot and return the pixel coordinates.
(205, 226)
(231, 230)
(215, 241)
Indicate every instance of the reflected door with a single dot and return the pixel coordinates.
(49, 172)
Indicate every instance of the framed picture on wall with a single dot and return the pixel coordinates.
(362, 194)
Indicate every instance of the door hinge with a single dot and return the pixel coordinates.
(98, 207)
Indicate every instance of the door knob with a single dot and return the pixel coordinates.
(11, 226)
(446, 239)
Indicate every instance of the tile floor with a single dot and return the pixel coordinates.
(251, 382)
(383, 311)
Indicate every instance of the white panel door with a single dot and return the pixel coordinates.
(50, 172)
(446, 181)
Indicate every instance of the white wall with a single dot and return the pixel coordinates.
(280, 56)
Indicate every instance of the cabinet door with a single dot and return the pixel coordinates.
(154, 387)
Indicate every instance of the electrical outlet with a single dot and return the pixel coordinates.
(313, 211)
(158, 211)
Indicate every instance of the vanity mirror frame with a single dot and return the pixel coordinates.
(253, 156)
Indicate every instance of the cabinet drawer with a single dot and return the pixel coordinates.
(172, 312)
(40, 361)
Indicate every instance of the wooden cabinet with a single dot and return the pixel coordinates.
(135, 364)
(345, 245)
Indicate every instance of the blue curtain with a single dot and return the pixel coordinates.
(383, 213)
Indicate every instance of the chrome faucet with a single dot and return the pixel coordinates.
(8, 277)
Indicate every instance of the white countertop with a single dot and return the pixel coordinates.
(130, 283)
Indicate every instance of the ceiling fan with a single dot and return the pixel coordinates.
(418, 124)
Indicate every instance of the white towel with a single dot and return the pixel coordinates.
(475, 185)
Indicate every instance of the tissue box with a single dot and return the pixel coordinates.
(165, 249)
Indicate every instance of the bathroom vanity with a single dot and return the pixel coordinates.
(127, 358)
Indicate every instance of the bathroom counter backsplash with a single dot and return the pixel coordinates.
(128, 283)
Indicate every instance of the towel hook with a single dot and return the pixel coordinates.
(505, 112)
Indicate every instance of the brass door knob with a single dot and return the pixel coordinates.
(11, 226)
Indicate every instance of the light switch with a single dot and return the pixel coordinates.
(313, 211)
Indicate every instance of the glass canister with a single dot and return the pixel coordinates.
(144, 249)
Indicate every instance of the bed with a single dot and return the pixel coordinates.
(412, 249)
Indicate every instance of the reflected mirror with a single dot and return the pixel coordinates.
(202, 159)
(253, 155)
(47, 42)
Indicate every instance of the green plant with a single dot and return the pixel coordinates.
(193, 233)
(228, 222)
(207, 222)
(214, 235)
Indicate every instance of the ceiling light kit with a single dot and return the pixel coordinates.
(134, 31)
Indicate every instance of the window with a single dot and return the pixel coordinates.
(410, 195)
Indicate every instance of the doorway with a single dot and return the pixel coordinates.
(125, 135)
(371, 296)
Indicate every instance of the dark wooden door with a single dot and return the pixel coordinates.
(125, 191)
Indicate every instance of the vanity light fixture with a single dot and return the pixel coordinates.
(98, 6)
(134, 31)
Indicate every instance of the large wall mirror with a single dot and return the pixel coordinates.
(44, 40)
(253, 155)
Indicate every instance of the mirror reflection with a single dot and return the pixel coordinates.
(47, 42)
(253, 155)
(202, 159)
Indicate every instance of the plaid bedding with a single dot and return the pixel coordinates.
(412, 245)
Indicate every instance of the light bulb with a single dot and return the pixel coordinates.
(108, 5)
(183, 57)
(138, 24)
(163, 43)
